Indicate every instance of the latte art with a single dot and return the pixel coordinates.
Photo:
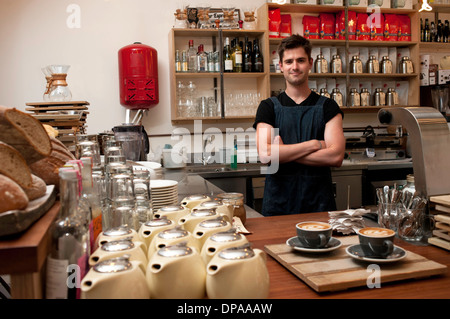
(314, 226)
(377, 232)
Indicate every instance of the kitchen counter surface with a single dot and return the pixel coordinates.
(285, 285)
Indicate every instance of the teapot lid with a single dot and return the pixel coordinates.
(118, 231)
(214, 223)
(171, 208)
(178, 250)
(158, 222)
(211, 203)
(204, 211)
(173, 233)
(196, 197)
(226, 236)
(118, 245)
(116, 264)
(234, 253)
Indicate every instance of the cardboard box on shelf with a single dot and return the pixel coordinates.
(443, 76)
(433, 74)
(424, 77)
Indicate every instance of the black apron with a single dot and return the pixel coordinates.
(296, 188)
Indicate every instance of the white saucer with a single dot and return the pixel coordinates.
(355, 251)
(295, 243)
(163, 183)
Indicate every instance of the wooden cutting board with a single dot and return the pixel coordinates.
(336, 270)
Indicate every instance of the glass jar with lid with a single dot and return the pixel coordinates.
(237, 200)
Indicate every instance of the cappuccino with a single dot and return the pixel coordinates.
(314, 226)
(376, 232)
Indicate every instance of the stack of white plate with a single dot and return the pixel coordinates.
(156, 171)
(164, 193)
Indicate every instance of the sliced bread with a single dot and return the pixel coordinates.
(25, 133)
(12, 196)
(13, 165)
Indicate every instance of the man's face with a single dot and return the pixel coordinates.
(296, 66)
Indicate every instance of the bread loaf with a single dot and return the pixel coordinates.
(37, 189)
(48, 168)
(12, 196)
(25, 133)
(13, 165)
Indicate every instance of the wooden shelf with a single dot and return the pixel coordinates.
(311, 8)
(352, 43)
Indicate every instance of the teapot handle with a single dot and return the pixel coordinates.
(261, 254)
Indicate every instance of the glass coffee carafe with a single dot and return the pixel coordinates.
(59, 90)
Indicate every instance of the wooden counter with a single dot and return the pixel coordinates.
(23, 257)
(285, 285)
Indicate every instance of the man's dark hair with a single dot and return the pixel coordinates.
(293, 42)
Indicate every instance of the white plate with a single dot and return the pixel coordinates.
(355, 251)
(295, 243)
(153, 165)
(161, 183)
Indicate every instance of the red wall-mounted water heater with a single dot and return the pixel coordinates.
(138, 76)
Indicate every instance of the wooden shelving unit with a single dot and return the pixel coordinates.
(220, 81)
(413, 45)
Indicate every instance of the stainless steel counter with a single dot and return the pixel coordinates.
(190, 183)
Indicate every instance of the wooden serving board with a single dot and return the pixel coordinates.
(336, 270)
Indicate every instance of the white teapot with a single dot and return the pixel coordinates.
(221, 208)
(194, 200)
(170, 237)
(219, 241)
(238, 273)
(116, 278)
(135, 249)
(176, 272)
(116, 233)
(151, 228)
(208, 227)
(196, 216)
(172, 212)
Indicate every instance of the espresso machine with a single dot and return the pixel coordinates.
(430, 139)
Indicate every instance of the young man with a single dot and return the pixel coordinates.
(303, 132)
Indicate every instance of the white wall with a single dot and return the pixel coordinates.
(34, 33)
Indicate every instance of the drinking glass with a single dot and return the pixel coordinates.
(414, 224)
(87, 146)
(141, 182)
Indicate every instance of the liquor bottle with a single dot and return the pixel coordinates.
(91, 191)
(68, 259)
(439, 34)
(427, 31)
(433, 32)
(237, 57)
(227, 58)
(248, 64)
(177, 61)
(422, 31)
(192, 57)
(446, 31)
(202, 59)
(184, 61)
(258, 65)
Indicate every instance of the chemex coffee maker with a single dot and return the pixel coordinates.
(134, 141)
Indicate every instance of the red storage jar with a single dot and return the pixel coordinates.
(138, 76)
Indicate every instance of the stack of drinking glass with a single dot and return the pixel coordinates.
(124, 189)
